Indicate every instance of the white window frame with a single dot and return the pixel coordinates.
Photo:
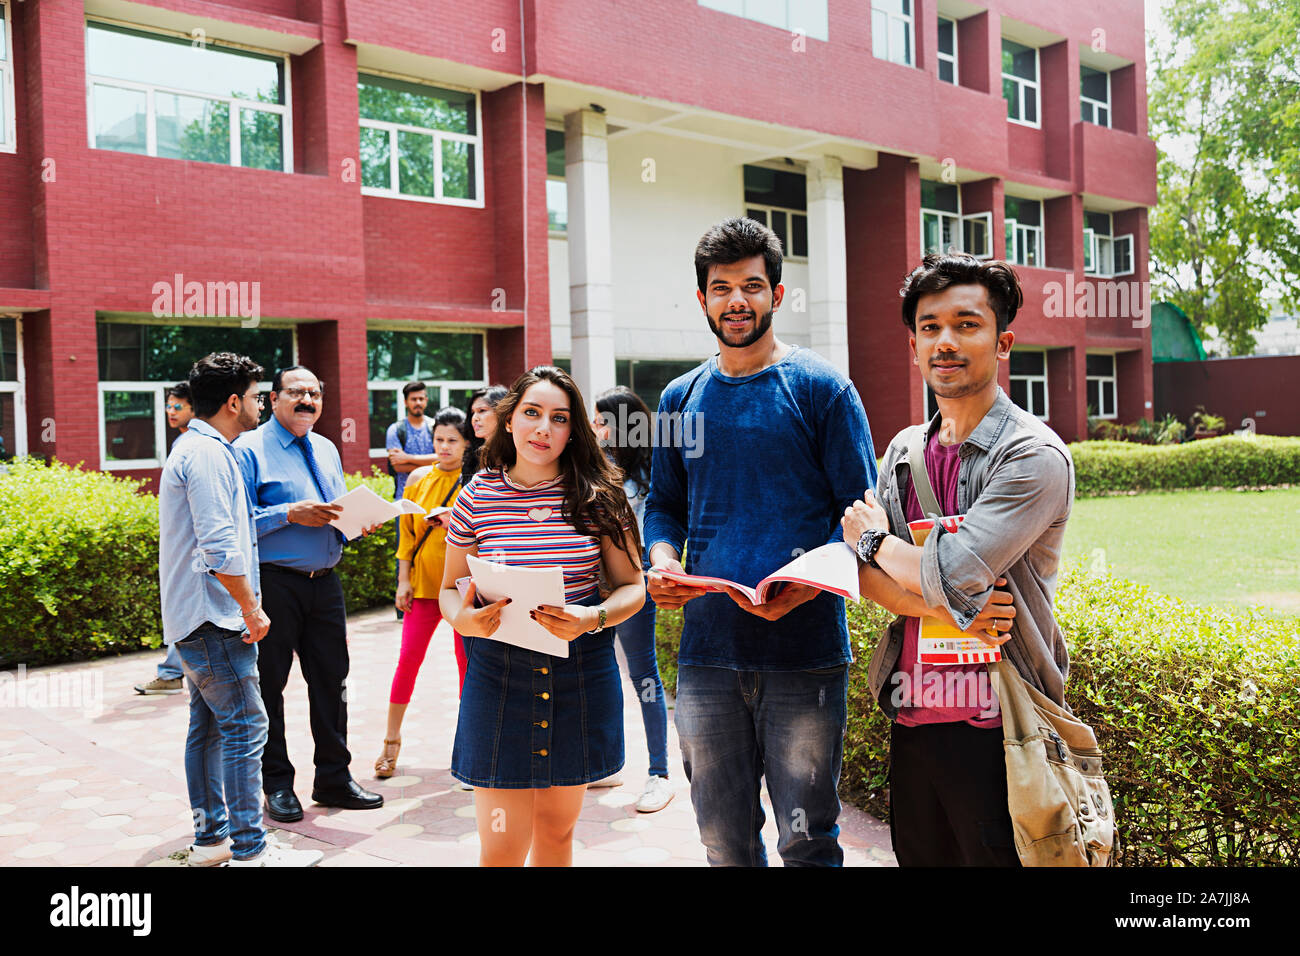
(987, 219)
(1018, 233)
(1095, 104)
(949, 57)
(234, 104)
(790, 213)
(1022, 85)
(438, 135)
(908, 19)
(18, 388)
(443, 388)
(557, 233)
(1099, 250)
(9, 130)
(1102, 380)
(1029, 391)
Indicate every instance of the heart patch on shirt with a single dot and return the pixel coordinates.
(539, 514)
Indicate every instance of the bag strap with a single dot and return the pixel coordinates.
(921, 480)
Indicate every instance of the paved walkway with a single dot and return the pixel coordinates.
(104, 784)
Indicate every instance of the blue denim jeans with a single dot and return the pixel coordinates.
(170, 668)
(637, 637)
(737, 727)
(223, 752)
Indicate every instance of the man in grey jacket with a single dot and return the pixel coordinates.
(1011, 479)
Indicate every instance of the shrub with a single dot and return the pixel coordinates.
(1195, 710)
(367, 568)
(1102, 467)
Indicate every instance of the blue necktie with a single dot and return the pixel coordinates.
(304, 442)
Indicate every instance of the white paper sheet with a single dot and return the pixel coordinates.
(528, 588)
(363, 508)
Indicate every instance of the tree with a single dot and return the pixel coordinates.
(1225, 91)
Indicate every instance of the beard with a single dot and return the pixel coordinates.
(760, 329)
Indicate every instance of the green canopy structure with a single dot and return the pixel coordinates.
(1173, 338)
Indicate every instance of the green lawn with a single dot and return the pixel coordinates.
(1212, 547)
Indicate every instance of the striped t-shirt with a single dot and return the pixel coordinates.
(524, 527)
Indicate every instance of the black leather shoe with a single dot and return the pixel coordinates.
(350, 796)
(283, 806)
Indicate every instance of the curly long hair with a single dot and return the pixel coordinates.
(594, 500)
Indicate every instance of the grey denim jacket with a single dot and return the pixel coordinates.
(1015, 487)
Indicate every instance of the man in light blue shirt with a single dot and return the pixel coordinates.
(291, 474)
(212, 615)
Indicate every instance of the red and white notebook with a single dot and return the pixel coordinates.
(832, 567)
(939, 641)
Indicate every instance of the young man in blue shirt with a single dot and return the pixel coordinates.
(785, 449)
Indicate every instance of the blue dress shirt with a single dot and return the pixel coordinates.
(205, 525)
(276, 473)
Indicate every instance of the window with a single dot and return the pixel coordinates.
(810, 16)
(419, 142)
(1020, 82)
(1029, 381)
(13, 409)
(948, 50)
(943, 227)
(1101, 385)
(557, 187)
(1024, 230)
(8, 125)
(138, 362)
(164, 95)
(451, 363)
(779, 200)
(1105, 254)
(891, 30)
(649, 377)
(1094, 96)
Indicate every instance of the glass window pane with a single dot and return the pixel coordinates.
(1108, 396)
(555, 152)
(1092, 84)
(1019, 60)
(1026, 363)
(758, 215)
(1088, 242)
(1085, 111)
(1020, 392)
(900, 41)
(1031, 104)
(557, 204)
(941, 196)
(120, 117)
(9, 350)
(261, 138)
(1038, 389)
(414, 104)
(1102, 365)
(375, 168)
(1029, 246)
(8, 427)
(1029, 212)
(4, 43)
(1011, 93)
(1123, 255)
(129, 425)
(775, 187)
(178, 61)
(879, 34)
(1094, 400)
(947, 36)
(778, 227)
(798, 235)
(457, 169)
(383, 412)
(1098, 222)
(1103, 116)
(1010, 237)
(432, 356)
(945, 72)
(189, 127)
(164, 353)
(415, 164)
(976, 238)
(930, 237)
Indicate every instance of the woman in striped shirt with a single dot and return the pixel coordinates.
(533, 729)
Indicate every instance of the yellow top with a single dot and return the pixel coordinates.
(428, 493)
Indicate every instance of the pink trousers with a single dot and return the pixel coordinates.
(418, 625)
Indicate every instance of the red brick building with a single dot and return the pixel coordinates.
(384, 190)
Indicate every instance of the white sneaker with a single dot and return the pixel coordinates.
(277, 855)
(213, 855)
(656, 795)
(613, 780)
(462, 786)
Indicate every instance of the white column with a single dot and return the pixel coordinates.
(591, 306)
(828, 299)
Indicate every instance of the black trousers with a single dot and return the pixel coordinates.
(307, 616)
(948, 796)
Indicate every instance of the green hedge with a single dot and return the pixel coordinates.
(1196, 711)
(79, 563)
(1107, 467)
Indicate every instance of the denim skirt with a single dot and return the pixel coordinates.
(530, 721)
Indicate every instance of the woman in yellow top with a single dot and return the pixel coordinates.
(421, 548)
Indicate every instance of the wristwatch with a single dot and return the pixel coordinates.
(869, 544)
(600, 624)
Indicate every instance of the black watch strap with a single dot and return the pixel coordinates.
(869, 544)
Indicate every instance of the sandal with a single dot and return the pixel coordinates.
(386, 765)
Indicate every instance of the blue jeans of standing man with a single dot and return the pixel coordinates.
(170, 668)
(223, 752)
(637, 637)
(737, 727)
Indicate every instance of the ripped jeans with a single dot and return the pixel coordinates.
(737, 727)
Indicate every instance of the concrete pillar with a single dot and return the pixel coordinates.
(591, 306)
(828, 299)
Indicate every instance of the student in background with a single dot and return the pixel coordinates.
(620, 411)
(420, 551)
(482, 425)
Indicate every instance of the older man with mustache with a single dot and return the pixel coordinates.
(291, 473)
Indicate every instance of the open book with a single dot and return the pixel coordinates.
(832, 567)
(940, 642)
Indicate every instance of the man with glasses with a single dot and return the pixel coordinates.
(292, 473)
(180, 410)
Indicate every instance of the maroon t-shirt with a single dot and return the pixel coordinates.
(942, 464)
